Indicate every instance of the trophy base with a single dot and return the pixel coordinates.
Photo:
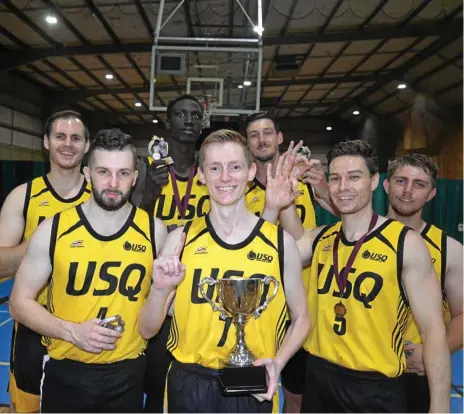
(165, 162)
(243, 380)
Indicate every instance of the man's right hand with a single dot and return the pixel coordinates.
(90, 336)
(158, 174)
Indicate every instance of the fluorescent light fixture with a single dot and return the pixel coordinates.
(50, 19)
(258, 29)
(109, 76)
(155, 121)
(138, 104)
(240, 86)
(402, 86)
(246, 83)
(329, 128)
(355, 112)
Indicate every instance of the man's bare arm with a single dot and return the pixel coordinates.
(158, 302)
(11, 231)
(423, 291)
(31, 277)
(453, 292)
(297, 303)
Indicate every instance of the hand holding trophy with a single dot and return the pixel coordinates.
(158, 149)
(239, 299)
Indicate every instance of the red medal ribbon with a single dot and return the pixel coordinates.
(182, 205)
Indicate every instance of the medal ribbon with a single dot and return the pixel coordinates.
(182, 205)
(343, 276)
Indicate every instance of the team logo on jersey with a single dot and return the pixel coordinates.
(327, 248)
(44, 203)
(255, 199)
(132, 247)
(260, 257)
(77, 243)
(376, 257)
(201, 250)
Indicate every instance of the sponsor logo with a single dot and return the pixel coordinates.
(376, 257)
(77, 243)
(260, 257)
(201, 250)
(255, 199)
(327, 248)
(44, 203)
(132, 247)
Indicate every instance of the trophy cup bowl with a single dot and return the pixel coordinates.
(239, 299)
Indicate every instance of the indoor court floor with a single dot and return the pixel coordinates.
(6, 324)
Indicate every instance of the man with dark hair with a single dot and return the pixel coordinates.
(174, 195)
(66, 141)
(410, 185)
(96, 260)
(359, 303)
(219, 245)
(264, 137)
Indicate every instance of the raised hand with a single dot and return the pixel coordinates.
(168, 270)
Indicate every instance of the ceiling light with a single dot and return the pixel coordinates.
(138, 104)
(247, 83)
(50, 19)
(329, 128)
(355, 112)
(402, 86)
(240, 86)
(155, 121)
(109, 76)
(258, 29)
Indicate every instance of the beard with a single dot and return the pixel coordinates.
(265, 157)
(404, 211)
(110, 204)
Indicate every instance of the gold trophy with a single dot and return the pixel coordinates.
(158, 149)
(239, 300)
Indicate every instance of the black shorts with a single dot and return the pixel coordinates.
(332, 388)
(417, 393)
(192, 388)
(75, 387)
(293, 374)
(26, 359)
(158, 361)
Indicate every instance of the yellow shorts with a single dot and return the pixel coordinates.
(22, 401)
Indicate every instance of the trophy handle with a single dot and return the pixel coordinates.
(210, 281)
(267, 280)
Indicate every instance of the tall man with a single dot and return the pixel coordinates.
(219, 245)
(410, 185)
(264, 137)
(359, 302)
(175, 195)
(97, 261)
(66, 139)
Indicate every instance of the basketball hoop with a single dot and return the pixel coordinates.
(209, 103)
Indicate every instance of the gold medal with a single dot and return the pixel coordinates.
(340, 309)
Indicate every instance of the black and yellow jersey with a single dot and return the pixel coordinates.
(198, 334)
(166, 209)
(369, 337)
(435, 239)
(255, 199)
(42, 202)
(95, 276)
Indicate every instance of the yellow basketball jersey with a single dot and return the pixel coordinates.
(96, 276)
(255, 199)
(42, 202)
(370, 336)
(435, 239)
(166, 208)
(198, 334)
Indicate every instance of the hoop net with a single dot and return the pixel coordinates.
(209, 103)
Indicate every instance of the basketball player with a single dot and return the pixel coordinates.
(66, 139)
(175, 195)
(229, 241)
(360, 303)
(97, 260)
(264, 137)
(410, 185)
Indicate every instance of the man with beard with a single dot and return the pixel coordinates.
(175, 195)
(264, 137)
(97, 260)
(66, 139)
(410, 185)
(359, 303)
